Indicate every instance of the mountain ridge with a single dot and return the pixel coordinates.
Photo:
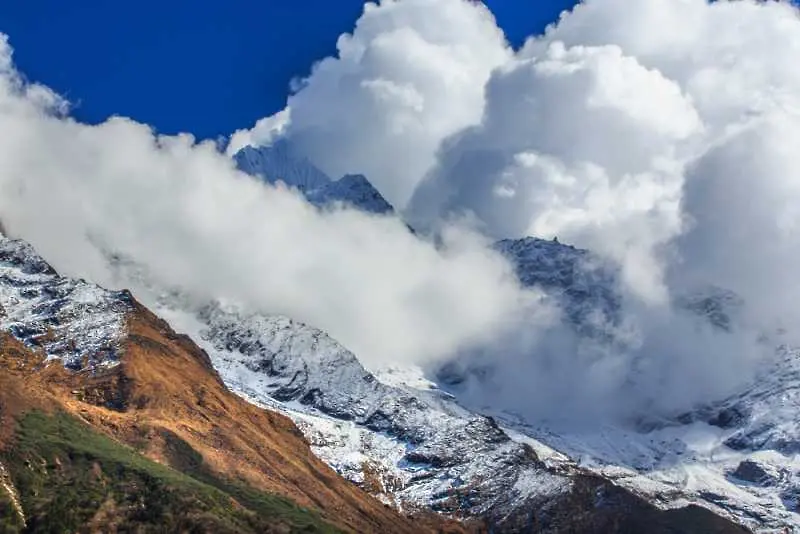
(154, 390)
(279, 163)
(424, 450)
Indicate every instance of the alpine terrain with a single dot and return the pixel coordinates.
(112, 422)
(404, 435)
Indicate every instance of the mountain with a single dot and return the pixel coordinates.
(354, 190)
(280, 163)
(584, 284)
(110, 421)
(413, 445)
(737, 456)
(120, 411)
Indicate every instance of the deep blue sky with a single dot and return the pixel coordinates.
(204, 66)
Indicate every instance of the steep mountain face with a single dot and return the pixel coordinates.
(400, 437)
(279, 163)
(584, 284)
(351, 189)
(76, 354)
(425, 448)
(110, 421)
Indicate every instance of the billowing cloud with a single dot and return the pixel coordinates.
(181, 210)
(660, 134)
(657, 133)
(412, 73)
(581, 143)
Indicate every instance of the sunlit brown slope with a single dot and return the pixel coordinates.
(166, 401)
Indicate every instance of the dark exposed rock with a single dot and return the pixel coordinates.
(752, 471)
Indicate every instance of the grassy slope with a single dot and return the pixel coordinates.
(9, 520)
(73, 478)
(165, 401)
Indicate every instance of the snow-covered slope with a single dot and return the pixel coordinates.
(396, 433)
(71, 320)
(414, 446)
(278, 163)
(354, 190)
(740, 456)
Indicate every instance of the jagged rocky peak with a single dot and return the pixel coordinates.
(354, 190)
(74, 321)
(585, 285)
(280, 162)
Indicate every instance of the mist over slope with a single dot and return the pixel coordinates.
(658, 135)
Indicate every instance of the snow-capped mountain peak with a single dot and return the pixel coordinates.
(280, 162)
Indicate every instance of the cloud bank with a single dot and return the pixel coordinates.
(411, 73)
(657, 133)
(660, 134)
(181, 210)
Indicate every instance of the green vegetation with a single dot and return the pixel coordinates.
(71, 478)
(9, 519)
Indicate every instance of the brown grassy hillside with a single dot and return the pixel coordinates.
(166, 405)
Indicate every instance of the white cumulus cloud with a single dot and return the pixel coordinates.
(411, 73)
(181, 210)
(661, 134)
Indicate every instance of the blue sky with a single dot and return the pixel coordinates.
(203, 66)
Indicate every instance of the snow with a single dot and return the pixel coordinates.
(680, 464)
(354, 190)
(75, 322)
(415, 440)
(422, 445)
(415, 445)
(278, 163)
